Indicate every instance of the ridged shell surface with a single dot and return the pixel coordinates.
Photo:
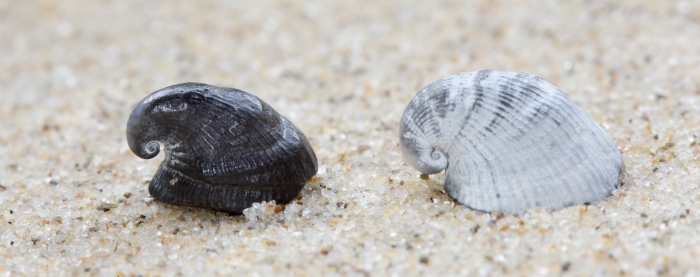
(225, 149)
(509, 141)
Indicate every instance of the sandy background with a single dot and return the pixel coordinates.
(74, 200)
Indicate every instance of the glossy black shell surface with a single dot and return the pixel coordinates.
(225, 149)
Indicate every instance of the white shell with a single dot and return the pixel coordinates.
(509, 141)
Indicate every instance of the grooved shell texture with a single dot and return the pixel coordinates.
(225, 148)
(509, 141)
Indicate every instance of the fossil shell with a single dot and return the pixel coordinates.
(225, 149)
(509, 141)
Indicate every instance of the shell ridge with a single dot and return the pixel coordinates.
(418, 144)
(474, 156)
(257, 158)
(454, 94)
(207, 141)
(578, 152)
(504, 183)
(600, 135)
(524, 104)
(473, 96)
(186, 187)
(588, 161)
(435, 125)
(553, 173)
(467, 97)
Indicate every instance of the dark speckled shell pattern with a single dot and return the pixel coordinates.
(508, 141)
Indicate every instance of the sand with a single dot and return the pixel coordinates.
(74, 198)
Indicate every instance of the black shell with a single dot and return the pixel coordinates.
(225, 149)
